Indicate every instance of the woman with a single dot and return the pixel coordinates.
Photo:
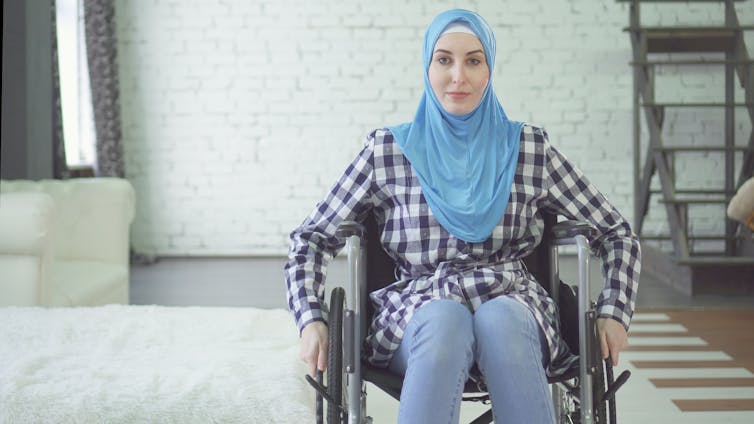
(456, 193)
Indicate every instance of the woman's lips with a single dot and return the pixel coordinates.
(457, 95)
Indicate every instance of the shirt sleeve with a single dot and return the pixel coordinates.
(313, 244)
(571, 194)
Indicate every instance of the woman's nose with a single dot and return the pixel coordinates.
(458, 74)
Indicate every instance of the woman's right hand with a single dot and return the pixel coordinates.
(313, 346)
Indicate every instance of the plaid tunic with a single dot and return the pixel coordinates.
(433, 264)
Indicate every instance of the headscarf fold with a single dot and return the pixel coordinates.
(465, 163)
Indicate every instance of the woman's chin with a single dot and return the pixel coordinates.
(457, 109)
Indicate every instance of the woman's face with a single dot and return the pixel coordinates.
(458, 72)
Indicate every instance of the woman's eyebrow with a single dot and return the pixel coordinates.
(449, 52)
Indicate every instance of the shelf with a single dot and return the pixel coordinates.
(700, 238)
(692, 191)
(700, 148)
(689, 39)
(697, 104)
(692, 62)
(717, 260)
(698, 200)
(688, 28)
(676, 1)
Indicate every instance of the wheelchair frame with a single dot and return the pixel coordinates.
(581, 396)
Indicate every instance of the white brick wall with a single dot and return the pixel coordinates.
(238, 115)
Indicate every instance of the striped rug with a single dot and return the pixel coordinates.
(689, 366)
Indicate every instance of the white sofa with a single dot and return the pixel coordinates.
(65, 242)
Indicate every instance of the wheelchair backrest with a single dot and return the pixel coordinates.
(380, 266)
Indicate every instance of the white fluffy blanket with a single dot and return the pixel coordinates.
(139, 364)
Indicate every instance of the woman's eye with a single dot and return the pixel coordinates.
(443, 60)
(474, 61)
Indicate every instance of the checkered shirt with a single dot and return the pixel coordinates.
(433, 264)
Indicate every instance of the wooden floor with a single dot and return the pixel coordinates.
(690, 366)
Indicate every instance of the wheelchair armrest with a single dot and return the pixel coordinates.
(350, 228)
(569, 229)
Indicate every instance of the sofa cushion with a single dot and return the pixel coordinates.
(85, 283)
(26, 223)
(15, 269)
(92, 215)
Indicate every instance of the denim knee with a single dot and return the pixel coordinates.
(443, 335)
(504, 318)
(435, 355)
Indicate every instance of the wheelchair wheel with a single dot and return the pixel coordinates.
(335, 357)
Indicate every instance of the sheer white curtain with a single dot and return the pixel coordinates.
(75, 92)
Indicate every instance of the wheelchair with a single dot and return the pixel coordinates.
(584, 394)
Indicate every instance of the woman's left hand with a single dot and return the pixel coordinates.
(613, 338)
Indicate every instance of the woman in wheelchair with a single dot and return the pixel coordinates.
(457, 194)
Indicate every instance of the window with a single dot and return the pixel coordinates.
(75, 93)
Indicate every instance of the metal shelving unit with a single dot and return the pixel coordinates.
(659, 159)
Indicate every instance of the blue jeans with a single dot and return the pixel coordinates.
(441, 343)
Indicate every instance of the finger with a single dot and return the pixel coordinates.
(616, 349)
(311, 364)
(312, 369)
(603, 345)
(614, 352)
(309, 358)
(322, 359)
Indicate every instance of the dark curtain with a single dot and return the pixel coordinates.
(99, 27)
(59, 163)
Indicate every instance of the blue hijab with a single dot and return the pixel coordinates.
(465, 163)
